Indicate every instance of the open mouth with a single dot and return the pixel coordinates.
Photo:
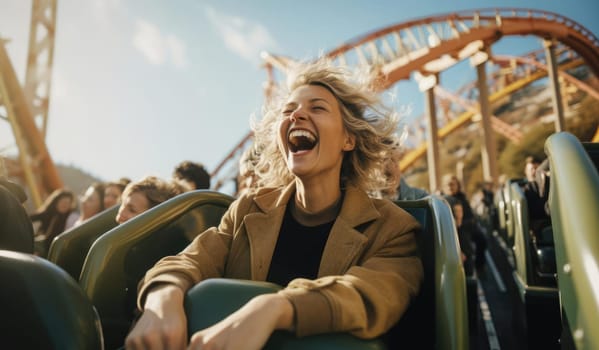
(301, 140)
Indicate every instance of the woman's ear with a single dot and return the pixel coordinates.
(350, 142)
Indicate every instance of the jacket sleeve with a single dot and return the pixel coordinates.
(373, 294)
(203, 258)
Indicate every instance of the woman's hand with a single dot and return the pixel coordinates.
(163, 324)
(249, 327)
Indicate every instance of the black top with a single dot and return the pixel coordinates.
(298, 251)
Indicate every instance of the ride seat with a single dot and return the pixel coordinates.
(42, 307)
(545, 255)
(69, 249)
(212, 300)
(437, 317)
(118, 260)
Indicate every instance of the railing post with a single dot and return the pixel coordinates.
(427, 85)
(556, 96)
(489, 150)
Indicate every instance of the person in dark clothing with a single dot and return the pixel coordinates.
(464, 237)
(537, 215)
(52, 216)
(16, 230)
(542, 178)
(453, 191)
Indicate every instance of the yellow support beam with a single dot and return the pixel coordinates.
(40, 58)
(412, 156)
(40, 174)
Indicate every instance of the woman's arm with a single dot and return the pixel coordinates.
(203, 258)
(163, 324)
(249, 327)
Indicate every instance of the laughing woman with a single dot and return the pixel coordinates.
(347, 262)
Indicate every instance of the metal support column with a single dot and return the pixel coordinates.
(427, 86)
(488, 146)
(556, 96)
(38, 77)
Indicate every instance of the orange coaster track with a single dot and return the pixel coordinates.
(433, 44)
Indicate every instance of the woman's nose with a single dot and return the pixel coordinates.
(297, 115)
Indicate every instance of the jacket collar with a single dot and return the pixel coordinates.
(345, 241)
(343, 246)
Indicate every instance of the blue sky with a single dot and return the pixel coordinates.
(140, 85)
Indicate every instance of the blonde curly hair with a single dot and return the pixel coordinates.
(364, 116)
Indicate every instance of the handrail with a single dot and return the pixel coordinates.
(118, 259)
(450, 281)
(69, 249)
(450, 265)
(521, 236)
(574, 205)
(134, 230)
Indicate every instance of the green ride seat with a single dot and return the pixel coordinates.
(214, 299)
(574, 205)
(69, 249)
(535, 267)
(438, 317)
(536, 301)
(500, 203)
(42, 307)
(117, 260)
(510, 203)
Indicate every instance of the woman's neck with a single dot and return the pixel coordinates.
(316, 204)
(315, 195)
(309, 218)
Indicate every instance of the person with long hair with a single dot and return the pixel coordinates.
(469, 229)
(347, 262)
(52, 217)
(91, 203)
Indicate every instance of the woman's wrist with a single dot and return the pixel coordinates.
(285, 313)
(163, 293)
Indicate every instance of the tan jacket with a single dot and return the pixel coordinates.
(368, 273)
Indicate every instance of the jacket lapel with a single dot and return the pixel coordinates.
(263, 228)
(345, 242)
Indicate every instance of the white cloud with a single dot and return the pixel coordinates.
(157, 47)
(148, 40)
(245, 38)
(177, 51)
(107, 5)
(104, 10)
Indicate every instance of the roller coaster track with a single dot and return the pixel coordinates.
(522, 74)
(430, 45)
